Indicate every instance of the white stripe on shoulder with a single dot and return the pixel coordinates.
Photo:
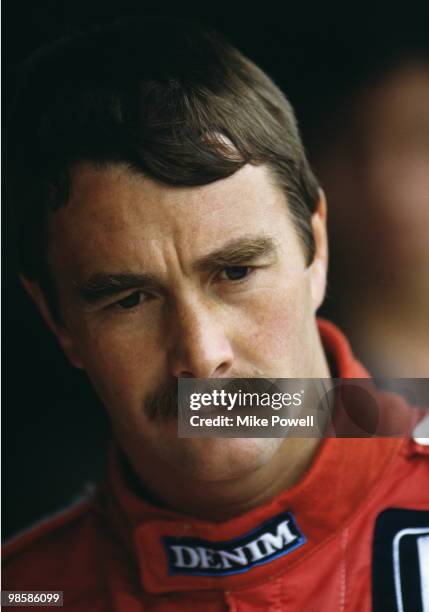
(86, 496)
(421, 432)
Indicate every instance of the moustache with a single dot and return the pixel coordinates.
(163, 403)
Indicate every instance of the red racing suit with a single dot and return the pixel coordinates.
(351, 536)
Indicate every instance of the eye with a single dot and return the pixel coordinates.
(235, 273)
(131, 301)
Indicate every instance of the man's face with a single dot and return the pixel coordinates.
(158, 282)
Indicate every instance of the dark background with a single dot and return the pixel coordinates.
(54, 432)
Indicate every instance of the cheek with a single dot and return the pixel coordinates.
(277, 329)
(122, 366)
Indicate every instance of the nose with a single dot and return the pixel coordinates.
(199, 344)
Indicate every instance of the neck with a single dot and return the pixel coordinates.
(222, 500)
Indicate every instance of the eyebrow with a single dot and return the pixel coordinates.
(101, 285)
(238, 251)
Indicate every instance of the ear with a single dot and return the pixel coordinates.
(60, 332)
(319, 266)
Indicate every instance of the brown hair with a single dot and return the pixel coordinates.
(166, 97)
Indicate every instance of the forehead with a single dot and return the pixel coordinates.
(115, 214)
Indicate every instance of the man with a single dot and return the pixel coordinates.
(170, 227)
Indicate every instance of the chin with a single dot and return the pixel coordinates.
(221, 459)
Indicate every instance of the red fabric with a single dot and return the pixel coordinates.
(108, 554)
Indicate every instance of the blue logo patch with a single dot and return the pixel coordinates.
(197, 557)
